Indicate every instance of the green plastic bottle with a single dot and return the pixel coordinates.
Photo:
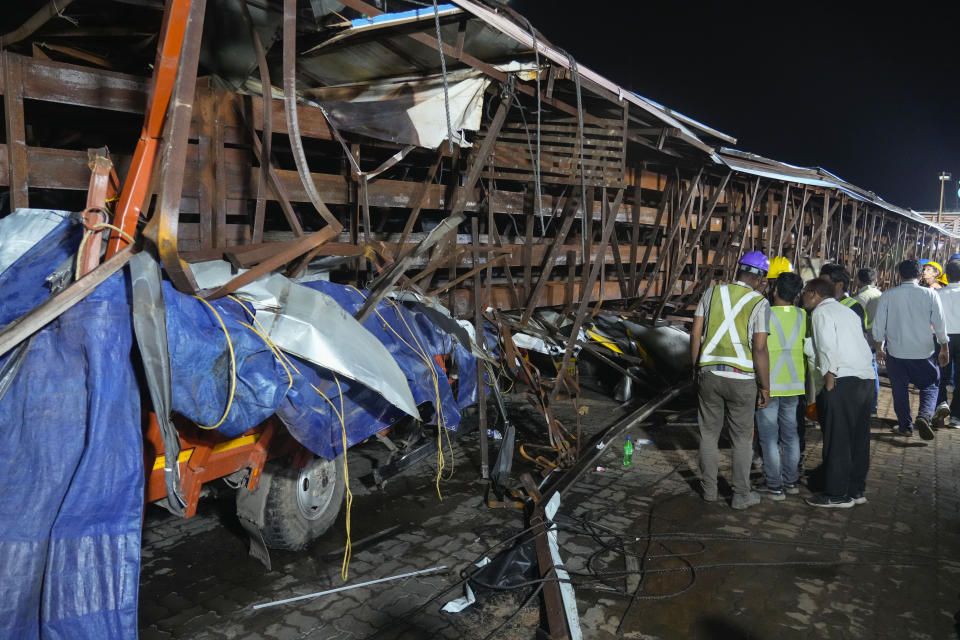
(628, 452)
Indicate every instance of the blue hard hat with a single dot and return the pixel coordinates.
(757, 262)
(955, 256)
(923, 261)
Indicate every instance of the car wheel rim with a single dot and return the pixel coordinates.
(315, 488)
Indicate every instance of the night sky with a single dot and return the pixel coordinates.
(866, 92)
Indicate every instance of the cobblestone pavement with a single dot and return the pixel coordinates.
(885, 569)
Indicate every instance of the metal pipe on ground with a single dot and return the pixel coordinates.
(553, 604)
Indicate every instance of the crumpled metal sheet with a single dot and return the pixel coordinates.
(22, 229)
(150, 331)
(411, 111)
(462, 330)
(311, 325)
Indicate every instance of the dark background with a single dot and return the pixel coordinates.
(866, 91)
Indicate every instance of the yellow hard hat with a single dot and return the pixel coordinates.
(941, 278)
(779, 265)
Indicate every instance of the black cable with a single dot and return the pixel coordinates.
(405, 618)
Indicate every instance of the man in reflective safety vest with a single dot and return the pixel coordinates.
(728, 348)
(838, 277)
(777, 422)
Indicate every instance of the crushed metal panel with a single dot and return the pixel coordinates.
(311, 325)
(410, 110)
(356, 55)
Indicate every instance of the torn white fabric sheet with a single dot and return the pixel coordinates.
(459, 604)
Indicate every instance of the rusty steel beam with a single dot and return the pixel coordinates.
(478, 331)
(51, 308)
(419, 198)
(292, 251)
(566, 220)
(103, 185)
(17, 165)
(608, 225)
(685, 204)
(541, 524)
(162, 229)
(665, 196)
(267, 121)
(290, 105)
(703, 222)
(391, 275)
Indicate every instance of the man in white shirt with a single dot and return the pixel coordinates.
(948, 415)
(844, 360)
(867, 292)
(908, 318)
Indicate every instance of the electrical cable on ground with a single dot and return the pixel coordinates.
(611, 540)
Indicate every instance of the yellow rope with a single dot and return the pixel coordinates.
(285, 361)
(348, 550)
(441, 419)
(233, 366)
(92, 230)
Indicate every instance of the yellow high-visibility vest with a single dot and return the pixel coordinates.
(867, 321)
(788, 328)
(727, 327)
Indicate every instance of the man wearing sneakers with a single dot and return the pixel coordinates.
(777, 422)
(948, 414)
(905, 315)
(844, 360)
(728, 348)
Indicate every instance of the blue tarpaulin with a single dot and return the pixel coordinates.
(201, 372)
(71, 481)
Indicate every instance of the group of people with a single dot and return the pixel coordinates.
(766, 345)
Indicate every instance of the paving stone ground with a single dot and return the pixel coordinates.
(887, 569)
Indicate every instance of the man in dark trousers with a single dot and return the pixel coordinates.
(910, 323)
(845, 362)
(948, 410)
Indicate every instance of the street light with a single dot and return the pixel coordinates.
(944, 176)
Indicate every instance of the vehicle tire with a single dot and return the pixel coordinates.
(302, 503)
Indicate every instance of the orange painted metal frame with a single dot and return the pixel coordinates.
(103, 187)
(137, 182)
(209, 455)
